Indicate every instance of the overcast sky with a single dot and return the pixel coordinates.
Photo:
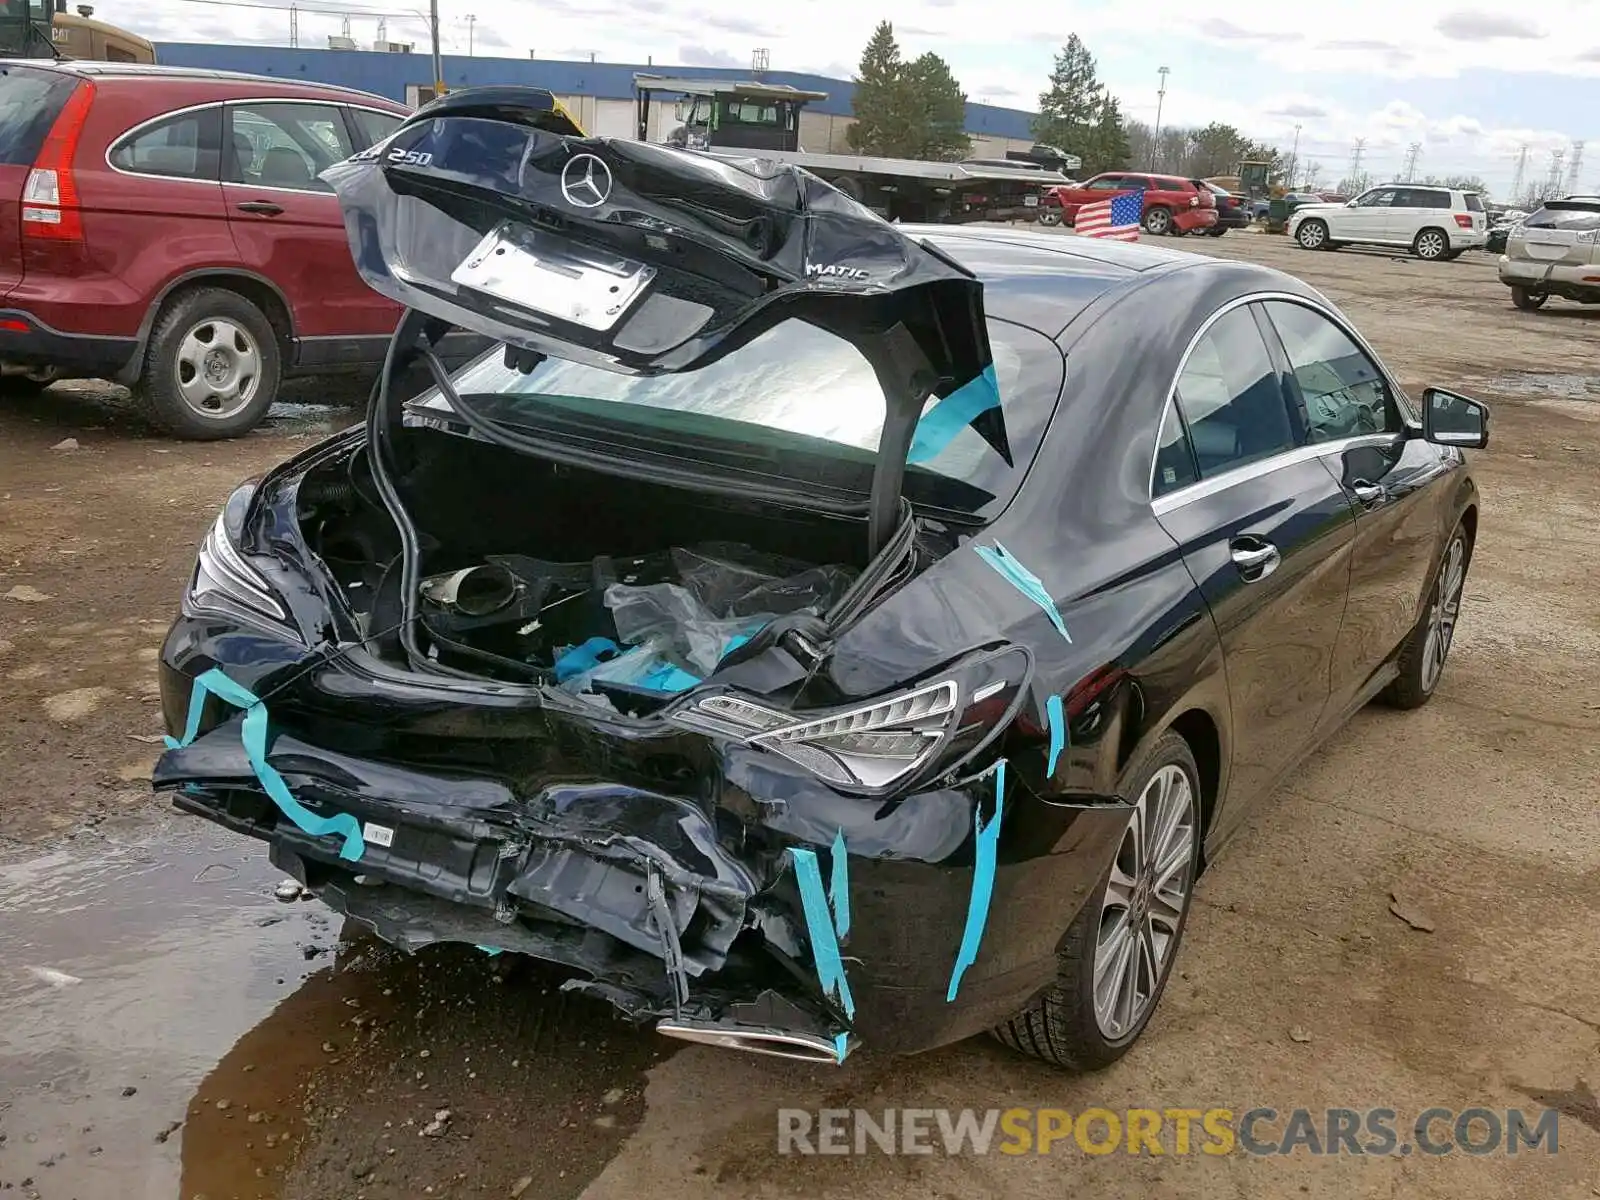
(1472, 85)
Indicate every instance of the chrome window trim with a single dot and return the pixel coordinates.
(1182, 495)
(135, 130)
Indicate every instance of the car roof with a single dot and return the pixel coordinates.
(1045, 280)
(155, 72)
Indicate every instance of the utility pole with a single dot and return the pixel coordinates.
(1552, 183)
(1522, 170)
(1294, 157)
(1161, 98)
(472, 27)
(1574, 167)
(1355, 165)
(438, 63)
(1411, 161)
(294, 26)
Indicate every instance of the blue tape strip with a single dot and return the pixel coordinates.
(491, 951)
(984, 856)
(819, 925)
(941, 423)
(839, 887)
(1058, 731)
(254, 736)
(574, 660)
(841, 1045)
(667, 678)
(1025, 581)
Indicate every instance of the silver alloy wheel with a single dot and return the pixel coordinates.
(218, 368)
(1158, 221)
(1430, 244)
(1144, 903)
(1311, 235)
(1443, 612)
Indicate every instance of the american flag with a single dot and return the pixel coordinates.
(1116, 218)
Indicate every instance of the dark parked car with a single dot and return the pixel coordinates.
(776, 634)
(1233, 212)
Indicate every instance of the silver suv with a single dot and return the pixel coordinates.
(1432, 222)
(1555, 252)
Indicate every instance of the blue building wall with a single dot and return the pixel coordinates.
(388, 75)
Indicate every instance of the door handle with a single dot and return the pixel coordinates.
(1369, 493)
(1255, 560)
(264, 208)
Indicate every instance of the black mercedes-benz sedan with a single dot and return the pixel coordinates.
(806, 631)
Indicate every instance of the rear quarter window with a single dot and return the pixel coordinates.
(1474, 202)
(30, 101)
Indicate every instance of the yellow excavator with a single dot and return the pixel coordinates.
(45, 29)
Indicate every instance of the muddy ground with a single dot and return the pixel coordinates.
(168, 1028)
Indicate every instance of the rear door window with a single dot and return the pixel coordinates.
(30, 101)
(183, 146)
(286, 145)
(1231, 397)
(1474, 202)
(375, 126)
(1579, 216)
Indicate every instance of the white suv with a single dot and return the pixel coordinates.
(1432, 222)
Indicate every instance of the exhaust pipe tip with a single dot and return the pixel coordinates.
(776, 1043)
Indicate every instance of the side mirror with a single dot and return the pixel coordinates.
(1450, 419)
(1350, 203)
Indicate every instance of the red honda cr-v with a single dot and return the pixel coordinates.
(167, 229)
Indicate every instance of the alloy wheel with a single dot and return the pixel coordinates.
(1444, 612)
(1158, 221)
(1430, 244)
(1144, 903)
(218, 368)
(1311, 235)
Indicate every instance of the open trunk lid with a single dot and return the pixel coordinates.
(646, 259)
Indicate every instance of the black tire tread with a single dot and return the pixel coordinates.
(1405, 691)
(155, 390)
(1048, 1028)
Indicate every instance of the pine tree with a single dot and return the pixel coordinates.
(1071, 106)
(880, 103)
(1106, 148)
(939, 121)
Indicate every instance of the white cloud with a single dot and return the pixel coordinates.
(1004, 61)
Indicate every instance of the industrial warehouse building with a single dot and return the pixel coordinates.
(599, 95)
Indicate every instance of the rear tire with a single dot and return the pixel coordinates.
(1050, 216)
(1427, 646)
(1062, 1026)
(212, 367)
(1528, 301)
(1430, 245)
(1312, 235)
(1216, 231)
(1158, 221)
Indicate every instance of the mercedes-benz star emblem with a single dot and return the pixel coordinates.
(585, 181)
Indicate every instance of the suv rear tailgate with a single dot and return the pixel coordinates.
(30, 100)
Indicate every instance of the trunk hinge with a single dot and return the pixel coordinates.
(907, 377)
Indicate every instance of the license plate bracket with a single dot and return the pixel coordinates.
(554, 277)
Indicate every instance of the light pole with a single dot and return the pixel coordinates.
(438, 63)
(1155, 134)
(1294, 157)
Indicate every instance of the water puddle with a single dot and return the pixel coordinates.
(168, 1028)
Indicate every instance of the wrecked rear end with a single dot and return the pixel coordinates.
(710, 713)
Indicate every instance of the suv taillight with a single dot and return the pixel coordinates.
(50, 196)
(1464, 220)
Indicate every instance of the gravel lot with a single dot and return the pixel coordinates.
(139, 952)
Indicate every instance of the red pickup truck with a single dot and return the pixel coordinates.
(1171, 204)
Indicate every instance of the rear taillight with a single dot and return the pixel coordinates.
(50, 196)
(1464, 220)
